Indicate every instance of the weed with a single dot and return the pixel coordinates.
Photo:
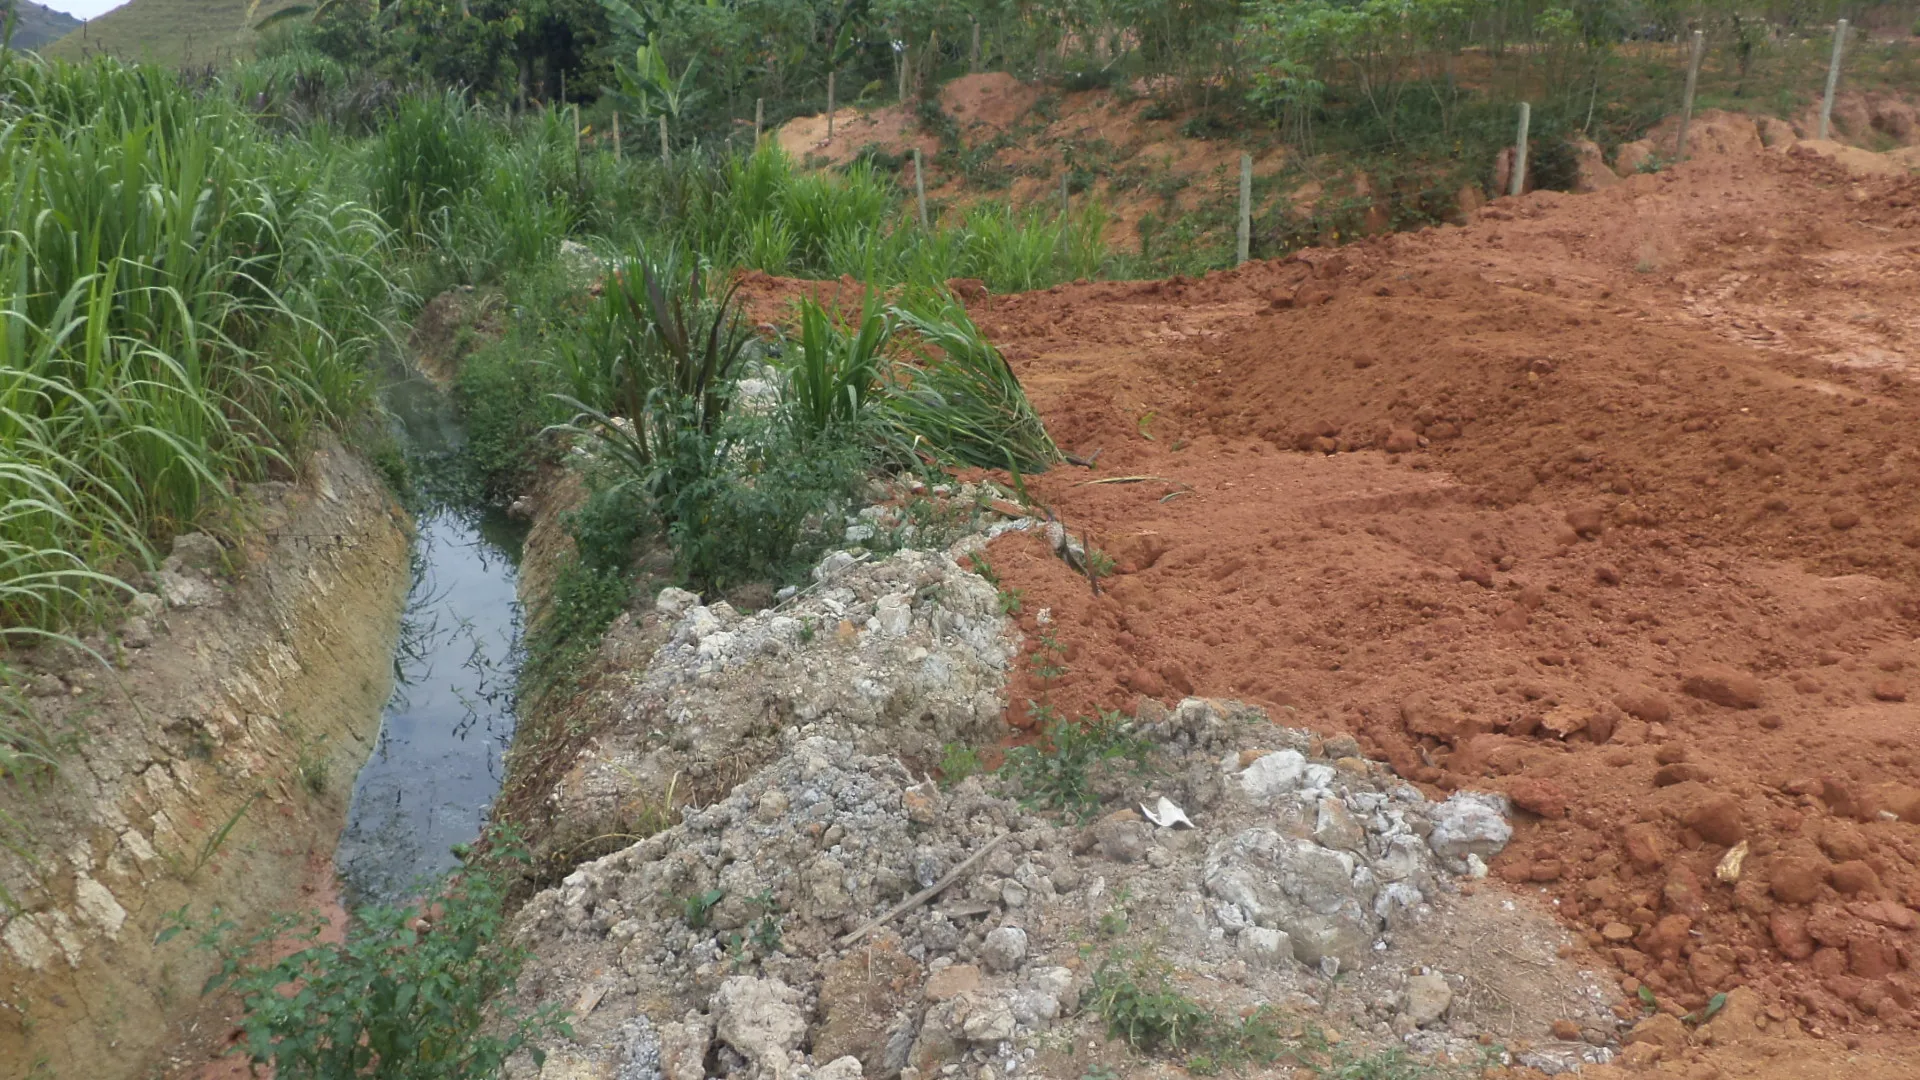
(1047, 662)
(1099, 563)
(957, 762)
(1073, 760)
(1134, 994)
(188, 870)
(399, 996)
(697, 909)
(312, 768)
(766, 930)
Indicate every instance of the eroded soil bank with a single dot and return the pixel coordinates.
(212, 766)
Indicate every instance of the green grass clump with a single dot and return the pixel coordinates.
(182, 305)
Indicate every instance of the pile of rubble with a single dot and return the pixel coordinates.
(1266, 865)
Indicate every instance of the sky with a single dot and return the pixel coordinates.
(81, 9)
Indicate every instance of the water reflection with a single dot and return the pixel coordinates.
(437, 766)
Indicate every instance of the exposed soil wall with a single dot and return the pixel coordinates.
(213, 767)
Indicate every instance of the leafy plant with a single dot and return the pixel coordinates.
(412, 994)
(833, 381)
(962, 402)
(957, 762)
(1065, 769)
(697, 909)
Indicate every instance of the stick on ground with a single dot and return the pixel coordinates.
(923, 895)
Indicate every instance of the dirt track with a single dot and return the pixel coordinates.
(1610, 502)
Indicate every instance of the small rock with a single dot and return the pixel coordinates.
(760, 1018)
(1661, 1029)
(194, 551)
(894, 614)
(1336, 827)
(1265, 949)
(1586, 520)
(843, 1068)
(1723, 686)
(683, 1048)
(1005, 949)
(1122, 836)
(950, 982)
(1274, 774)
(1889, 690)
(1427, 999)
(136, 633)
(674, 603)
(989, 1021)
(1566, 1031)
(1470, 823)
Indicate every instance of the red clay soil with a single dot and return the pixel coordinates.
(1609, 502)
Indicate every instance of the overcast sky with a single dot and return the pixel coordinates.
(81, 9)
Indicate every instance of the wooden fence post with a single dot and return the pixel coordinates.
(1833, 75)
(920, 188)
(1243, 242)
(1518, 182)
(973, 58)
(1686, 103)
(830, 76)
(904, 56)
(616, 136)
(665, 154)
(759, 118)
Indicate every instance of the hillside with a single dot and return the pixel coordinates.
(38, 25)
(171, 32)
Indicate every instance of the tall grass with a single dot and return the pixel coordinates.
(180, 304)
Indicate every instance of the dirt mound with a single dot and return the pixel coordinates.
(989, 103)
(1610, 503)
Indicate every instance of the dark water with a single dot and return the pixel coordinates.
(436, 767)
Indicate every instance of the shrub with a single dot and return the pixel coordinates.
(404, 998)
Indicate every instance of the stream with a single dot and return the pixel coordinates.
(438, 762)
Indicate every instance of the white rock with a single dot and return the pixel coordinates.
(1470, 823)
(1274, 774)
(1261, 947)
(760, 1018)
(990, 1020)
(1004, 949)
(841, 1068)
(674, 603)
(95, 904)
(894, 615)
(1427, 999)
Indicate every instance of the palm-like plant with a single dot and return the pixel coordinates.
(654, 377)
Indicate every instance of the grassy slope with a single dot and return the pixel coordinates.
(171, 32)
(39, 25)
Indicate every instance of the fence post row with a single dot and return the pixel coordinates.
(1833, 75)
(1686, 103)
(1244, 241)
(1518, 181)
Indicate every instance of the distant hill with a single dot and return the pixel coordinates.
(177, 33)
(37, 25)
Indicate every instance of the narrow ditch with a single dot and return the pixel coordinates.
(438, 763)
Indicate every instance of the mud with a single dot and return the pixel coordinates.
(212, 766)
(1610, 503)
